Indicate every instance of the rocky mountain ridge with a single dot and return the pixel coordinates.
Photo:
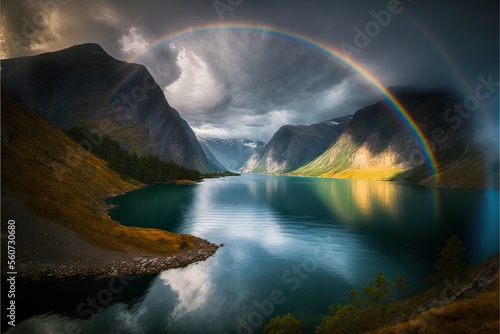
(84, 86)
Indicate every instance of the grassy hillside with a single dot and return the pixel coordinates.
(376, 145)
(61, 181)
(478, 314)
(294, 146)
(339, 162)
(469, 167)
(469, 303)
(147, 169)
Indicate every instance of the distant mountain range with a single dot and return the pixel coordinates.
(376, 143)
(294, 146)
(84, 86)
(231, 153)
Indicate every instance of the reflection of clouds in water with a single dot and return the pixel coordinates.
(275, 233)
(192, 284)
(129, 321)
(205, 215)
(202, 298)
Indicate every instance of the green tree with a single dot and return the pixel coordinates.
(400, 284)
(146, 169)
(365, 312)
(451, 263)
(341, 319)
(286, 324)
(378, 290)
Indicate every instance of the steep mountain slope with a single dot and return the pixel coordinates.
(59, 181)
(377, 145)
(84, 86)
(231, 153)
(294, 146)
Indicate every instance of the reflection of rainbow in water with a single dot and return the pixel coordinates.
(316, 45)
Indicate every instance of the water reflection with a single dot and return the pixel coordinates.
(336, 233)
(353, 200)
(192, 286)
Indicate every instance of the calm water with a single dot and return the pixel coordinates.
(291, 245)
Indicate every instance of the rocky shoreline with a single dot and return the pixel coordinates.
(131, 264)
(49, 251)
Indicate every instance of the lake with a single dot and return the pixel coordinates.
(291, 244)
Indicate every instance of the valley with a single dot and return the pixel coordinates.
(246, 167)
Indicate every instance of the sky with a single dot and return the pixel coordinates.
(234, 84)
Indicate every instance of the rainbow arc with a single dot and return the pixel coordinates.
(318, 46)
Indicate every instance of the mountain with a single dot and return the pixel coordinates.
(293, 146)
(376, 144)
(54, 186)
(232, 153)
(84, 86)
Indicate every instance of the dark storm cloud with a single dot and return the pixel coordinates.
(248, 84)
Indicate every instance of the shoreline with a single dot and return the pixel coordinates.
(404, 182)
(46, 250)
(130, 264)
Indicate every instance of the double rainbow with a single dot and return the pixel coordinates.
(318, 46)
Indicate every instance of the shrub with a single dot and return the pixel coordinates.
(365, 312)
(451, 263)
(286, 324)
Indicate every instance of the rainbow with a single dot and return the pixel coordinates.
(318, 46)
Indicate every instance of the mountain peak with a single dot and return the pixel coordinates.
(88, 82)
(94, 47)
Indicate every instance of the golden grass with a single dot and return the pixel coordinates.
(371, 173)
(59, 180)
(479, 314)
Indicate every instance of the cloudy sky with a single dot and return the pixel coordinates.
(229, 83)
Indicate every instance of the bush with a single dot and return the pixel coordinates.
(286, 324)
(341, 319)
(365, 312)
(378, 290)
(451, 263)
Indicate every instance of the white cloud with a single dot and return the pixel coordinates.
(240, 123)
(105, 14)
(197, 89)
(133, 41)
